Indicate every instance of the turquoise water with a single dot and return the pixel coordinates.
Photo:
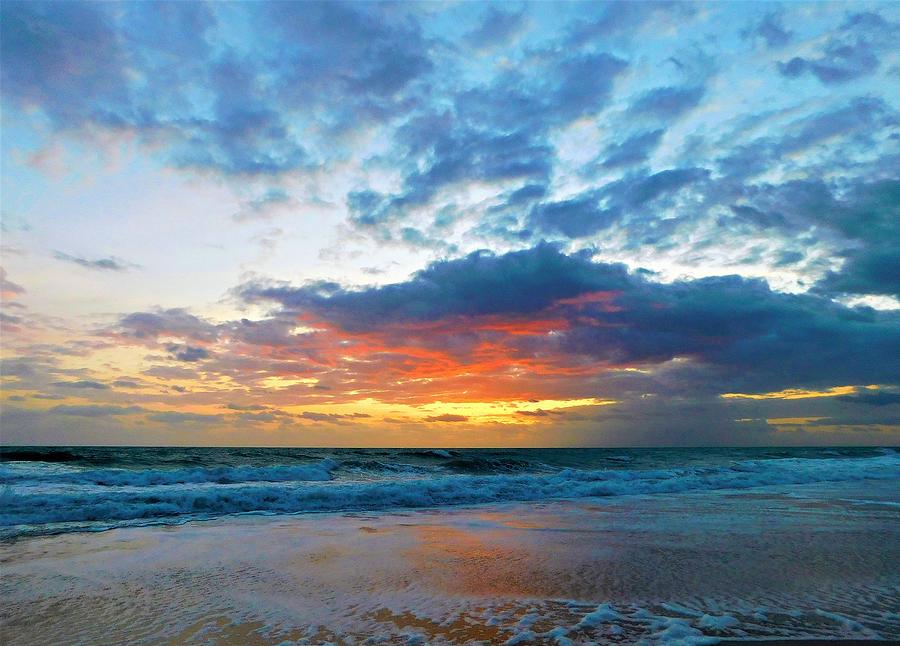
(62, 489)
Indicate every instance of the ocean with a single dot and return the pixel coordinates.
(69, 489)
(668, 547)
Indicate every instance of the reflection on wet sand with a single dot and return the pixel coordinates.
(753, 565)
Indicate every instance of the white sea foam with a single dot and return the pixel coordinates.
(111, 496)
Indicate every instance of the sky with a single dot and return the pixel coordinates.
(450, 223)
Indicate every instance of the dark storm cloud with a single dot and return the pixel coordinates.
(750, 337)
(852, 53)
(875, 270)
(757, 338)
(873, 398)
(478, 284)
(101, 264)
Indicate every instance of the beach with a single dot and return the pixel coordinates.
(799, 561)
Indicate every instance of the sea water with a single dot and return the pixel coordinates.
(56, 490)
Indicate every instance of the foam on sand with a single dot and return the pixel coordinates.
(688, 568)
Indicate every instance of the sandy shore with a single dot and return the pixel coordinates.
(807, 642)
(696, 568)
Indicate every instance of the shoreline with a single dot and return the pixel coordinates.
(734, 566)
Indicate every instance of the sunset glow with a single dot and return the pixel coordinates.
(373, 224)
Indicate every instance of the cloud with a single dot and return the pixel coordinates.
(616, 19)
(101, 264)
(187, 353)
(90, 410)
(873, 270)
(574, 218)
(447, 417)
(82, 384)
(771, 29)
(851, 54)
(666, 102)
(864, 214)
(540, 412)
(127, 383)
(169, 73)
(478, 284)
(745, 335)
(603, 133)
(331, 417)
(65, 59)
(492, 132)
(634, 150)
(173, 417)
(497, 28)
(9, 289)
(869, 398)
(264, 206)
(636, 198)
(172, 322)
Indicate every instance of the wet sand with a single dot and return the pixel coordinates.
(808, 642)
(694, 568)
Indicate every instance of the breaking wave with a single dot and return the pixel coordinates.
(58, 498)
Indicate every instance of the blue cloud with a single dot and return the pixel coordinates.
(574, 218)
(667, 102)
(152, 69)
(851, 54)
(101, 264)
(634, 150)
(187, 353)
(497, 27)
(771, 29)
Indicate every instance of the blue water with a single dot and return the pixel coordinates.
(52, 490)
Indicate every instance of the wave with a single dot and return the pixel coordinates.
(475, 464)
(180, 498)
(51, 455)
(148, 478)
(430, 453)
